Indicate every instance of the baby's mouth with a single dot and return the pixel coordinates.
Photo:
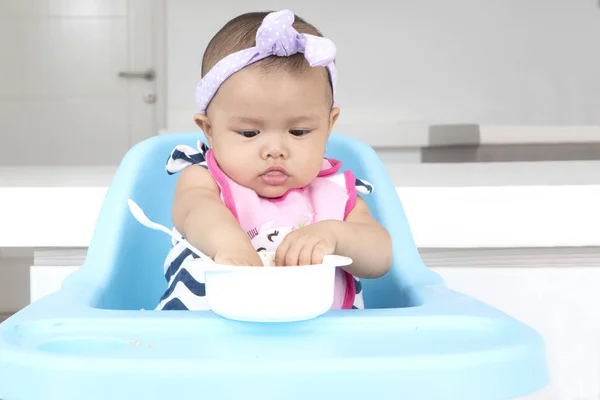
(275, 176)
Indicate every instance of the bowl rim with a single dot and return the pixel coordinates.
(333, 261)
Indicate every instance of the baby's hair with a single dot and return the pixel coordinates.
(240, 34)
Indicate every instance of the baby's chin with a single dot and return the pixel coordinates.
(272, 192)
(276, 191)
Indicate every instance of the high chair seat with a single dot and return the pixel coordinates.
(416, 338)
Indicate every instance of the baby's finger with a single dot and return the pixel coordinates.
(283, 250)
(256, 262)
(305, 255)
(293, 252)
(280, 253)
(290, 258)
(319, 251)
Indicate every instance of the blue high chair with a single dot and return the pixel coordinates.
(416, 339)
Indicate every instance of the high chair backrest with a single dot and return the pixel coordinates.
(124, 266)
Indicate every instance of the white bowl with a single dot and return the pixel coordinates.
(270, 294)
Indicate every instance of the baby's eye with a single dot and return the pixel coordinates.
(299, 132)
(249, 134)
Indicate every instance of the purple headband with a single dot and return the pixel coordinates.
(275, 36)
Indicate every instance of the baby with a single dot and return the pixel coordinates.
(267, 107)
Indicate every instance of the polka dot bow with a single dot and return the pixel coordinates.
(276, 36)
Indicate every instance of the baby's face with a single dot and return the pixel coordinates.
(268, 130)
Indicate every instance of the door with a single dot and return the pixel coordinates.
(62, 101)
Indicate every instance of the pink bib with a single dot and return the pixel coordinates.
(331, 195)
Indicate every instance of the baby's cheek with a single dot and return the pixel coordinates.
(238, 170)
(309, 171)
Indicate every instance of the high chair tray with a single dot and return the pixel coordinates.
(92, 354)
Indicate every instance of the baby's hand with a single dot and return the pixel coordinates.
(307, 245)
(240, 257)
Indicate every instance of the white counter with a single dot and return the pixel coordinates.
(447, 205)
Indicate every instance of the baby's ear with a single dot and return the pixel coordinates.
(203, 123)
(333, 116)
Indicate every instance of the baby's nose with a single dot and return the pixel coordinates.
(275, 152)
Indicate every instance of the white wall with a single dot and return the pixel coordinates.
(492, 62)
(58, 81)
(402, 65)
(61, 100)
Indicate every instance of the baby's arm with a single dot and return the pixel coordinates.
(365, 241)
(205, 221)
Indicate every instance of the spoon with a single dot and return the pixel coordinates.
(143, 219)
